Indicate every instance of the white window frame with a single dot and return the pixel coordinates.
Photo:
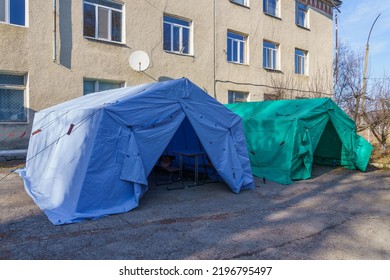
(232, 95)
(277, 9)
(110, 9)
(302, 60)
(238, 41)
(274, 52)
(7, 13)
(181, 28)
(306, 13)
(25, 99)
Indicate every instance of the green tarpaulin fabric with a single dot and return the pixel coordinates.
(285, 138)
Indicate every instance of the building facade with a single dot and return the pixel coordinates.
(236, 50)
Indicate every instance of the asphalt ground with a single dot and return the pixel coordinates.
(338, 214)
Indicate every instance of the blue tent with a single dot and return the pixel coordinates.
(91, 156)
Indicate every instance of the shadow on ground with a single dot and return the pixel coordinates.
(339, 214)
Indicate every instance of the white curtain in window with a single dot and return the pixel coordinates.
(103, 31)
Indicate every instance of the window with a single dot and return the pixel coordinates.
(270, 55)
(301, 15)
(300, 62)
(269, 97)
(12, 91)
(270, 7)
(241, 2)
(237, 96)
(236, 48)
(90, 86)
(13, 12)
(103, 20)
(177, 35)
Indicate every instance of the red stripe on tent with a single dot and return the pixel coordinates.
(36, 132)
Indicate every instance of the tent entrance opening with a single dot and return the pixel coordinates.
(329, 148)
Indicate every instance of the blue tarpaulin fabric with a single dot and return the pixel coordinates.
(101, 165)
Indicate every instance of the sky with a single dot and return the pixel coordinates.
(355, 21)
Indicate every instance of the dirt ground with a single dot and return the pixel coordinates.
(338, 214)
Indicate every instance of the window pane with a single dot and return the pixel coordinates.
(229, 49)
(269, 58)
(186, 40)
(103, 23)
(107, 86)
(12, 105)
(89, 20)
(242, 52)
(236, 36)
(235, 51)
(272, 7)
(230, 97)
(273, 59)
(116, 28)
(242, 2)
(17, 12)
(269, 7)
(301, 14)
(2, 10)
(237, 96)
(11, 80)
(176, 21)
(88, 87)
(107, 3)
(176, 38)
(167, 37)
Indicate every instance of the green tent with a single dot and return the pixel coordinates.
(285, 137)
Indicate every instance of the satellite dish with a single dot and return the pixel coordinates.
(139, 61)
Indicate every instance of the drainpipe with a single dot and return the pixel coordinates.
(54, 30)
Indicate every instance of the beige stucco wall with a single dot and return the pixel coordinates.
(317, 40)
(30, 49)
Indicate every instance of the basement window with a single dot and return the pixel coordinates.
(237, 96)
(91, 86)
(12, 98)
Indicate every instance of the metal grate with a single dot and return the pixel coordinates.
(12, 105)
(6, 79)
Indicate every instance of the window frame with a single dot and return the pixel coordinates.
(266, 8)
(97, 84)
(245, 4)
(181, 37)
(300, 54)
(244, 41)
(25, 99)
(7, 14)
(275, 56)
(232, 96)
(109, 21)
(305, 12)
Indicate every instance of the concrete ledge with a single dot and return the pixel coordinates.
(6, 155)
